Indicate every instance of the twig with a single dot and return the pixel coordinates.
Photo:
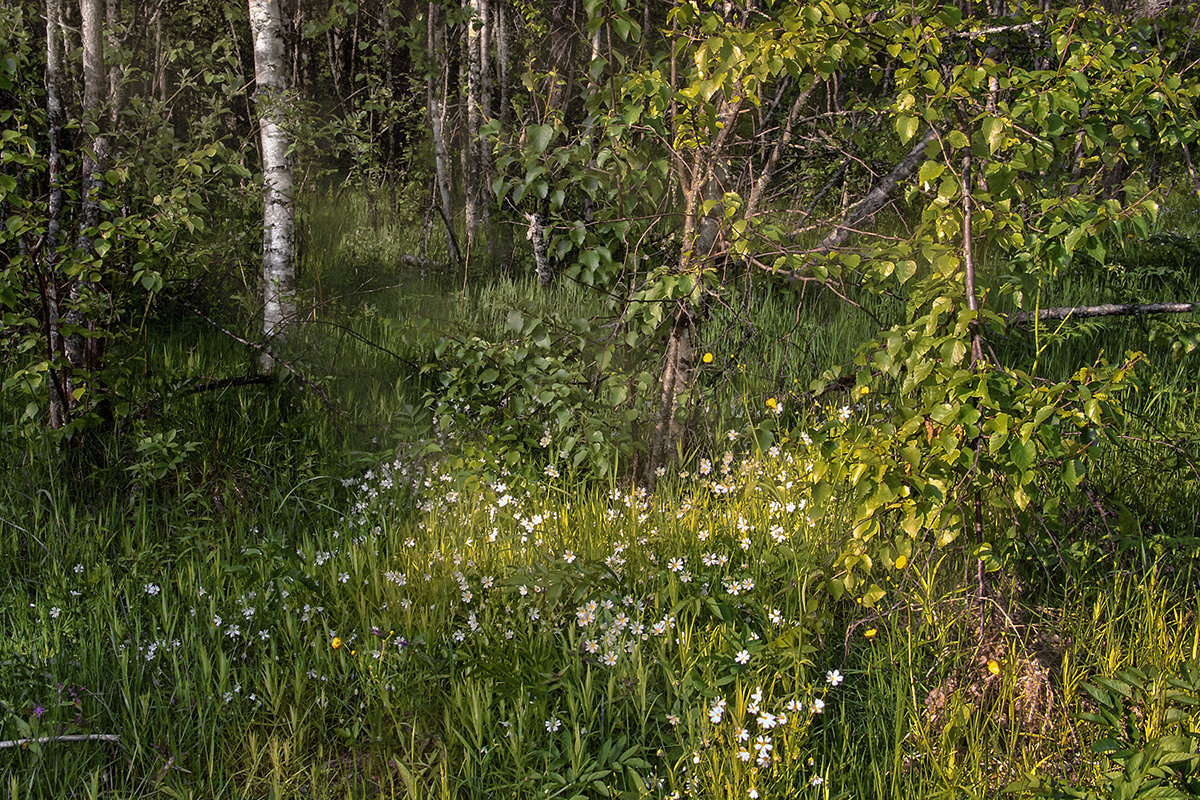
(74, 737)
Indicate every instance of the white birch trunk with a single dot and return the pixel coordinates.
(471, 167)
(278, 264)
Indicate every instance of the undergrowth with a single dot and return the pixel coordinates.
(245, 590)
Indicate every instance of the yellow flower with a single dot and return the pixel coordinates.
(336, 643)
(993, 666)
(772, 402)
(707, 358)
(901, 561)
(870, 633)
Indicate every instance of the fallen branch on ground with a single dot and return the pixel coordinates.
(1107, 310)
(75, 737)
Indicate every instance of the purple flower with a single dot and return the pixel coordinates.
(38, 710)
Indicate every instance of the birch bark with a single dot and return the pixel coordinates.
(279, 241)
(471, 165)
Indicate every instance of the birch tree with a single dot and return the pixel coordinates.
(278, 254)
(474, 200)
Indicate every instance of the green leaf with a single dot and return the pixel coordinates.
(993, 132)
(957, 139)
(930, 171)
(1022, 454)
(1072, 473)
(906, 127)
(539, 137)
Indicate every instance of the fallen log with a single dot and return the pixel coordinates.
(1105, 310)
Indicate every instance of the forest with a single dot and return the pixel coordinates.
(599, 399)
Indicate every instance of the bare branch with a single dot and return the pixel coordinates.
(992, 31)
(878, 196)
(781, 144)
(75, 737)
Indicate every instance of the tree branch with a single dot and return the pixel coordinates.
(878, 196)
(1107, 310)
(76, 737)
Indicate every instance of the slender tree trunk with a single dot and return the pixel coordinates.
(678, 374)
(700, 181)
(505, 112)
(541, 256)
(85, 352)
(60, 409)
(116, 73)
(436, 43)
(564, 35)
(878, 196)
(278, 264)
(160, 58)
(483, 152)
(472, 168)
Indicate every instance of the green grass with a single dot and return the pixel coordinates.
(455, 587)
(206, 645)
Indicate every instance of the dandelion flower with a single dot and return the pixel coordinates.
(336, 643)
(707, 358)
(772, 403)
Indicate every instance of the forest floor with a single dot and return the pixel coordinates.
(264, 599)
